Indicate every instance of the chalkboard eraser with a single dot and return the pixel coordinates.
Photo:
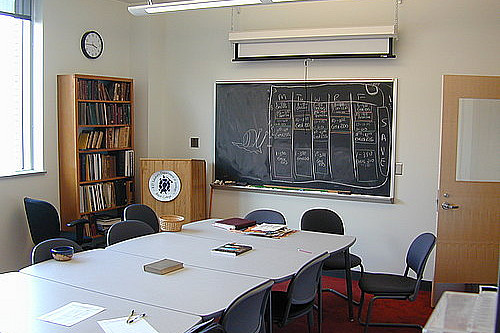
(344, 192)
(229, 182)
(241, 183)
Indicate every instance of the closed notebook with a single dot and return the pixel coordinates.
(234, 223)
(163, 266)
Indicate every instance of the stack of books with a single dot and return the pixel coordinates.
(234, 223)
(104, 222)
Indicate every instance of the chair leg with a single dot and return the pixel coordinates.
(361, 301)
(310, 321)
(367, 323)
(348, 279)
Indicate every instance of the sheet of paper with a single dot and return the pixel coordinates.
(119, 325)
(71, 313)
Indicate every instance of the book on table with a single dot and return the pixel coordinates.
(234, 223)
(163, 266)
(233, 249)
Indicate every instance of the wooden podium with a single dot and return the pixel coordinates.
(189, 201)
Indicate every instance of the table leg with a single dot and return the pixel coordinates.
(348, 278)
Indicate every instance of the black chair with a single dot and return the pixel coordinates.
(327, 221)
(124, 230)
(266, 216)
(142, 213)
(244, 315)
(41, 251)
(392, 286)
(43, 221)
(298, 299)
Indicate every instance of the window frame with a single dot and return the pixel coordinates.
(32, 89)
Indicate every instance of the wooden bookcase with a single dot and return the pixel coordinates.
(96, 145)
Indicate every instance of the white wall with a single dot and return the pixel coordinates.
(64, 22)
(449, 36)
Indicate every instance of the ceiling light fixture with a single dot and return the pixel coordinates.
(173, 5)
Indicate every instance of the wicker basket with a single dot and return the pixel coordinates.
(171, 222)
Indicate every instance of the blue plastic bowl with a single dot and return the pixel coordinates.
(62, 253)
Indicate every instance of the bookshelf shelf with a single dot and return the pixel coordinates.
(88, 151)
(102, 101)
(96, 146)
(86, 182)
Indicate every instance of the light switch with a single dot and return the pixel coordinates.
(399, 169)
(194, 142)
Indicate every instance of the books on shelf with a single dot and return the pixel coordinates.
(233, 249)
(105, 195)
(163, 266)
(100, 113)
(91, 89)
(104, 222)
(234, 223)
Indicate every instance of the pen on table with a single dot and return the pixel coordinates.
(305, 251)
(130, 316)
(136, 318)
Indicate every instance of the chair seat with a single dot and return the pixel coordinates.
(337, 261)
(387, 284)
(278, 304)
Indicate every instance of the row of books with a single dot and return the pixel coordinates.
(95, 113)
(97, 166)
(113, 137)
(105, 166)
(106, 195)
(103, 90)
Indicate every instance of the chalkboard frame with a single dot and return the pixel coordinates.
(322, 193)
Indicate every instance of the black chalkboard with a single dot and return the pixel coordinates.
(329, 135)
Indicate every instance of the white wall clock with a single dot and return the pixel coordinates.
(92, 44)
(164, 185)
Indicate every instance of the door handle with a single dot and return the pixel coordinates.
(446, 206)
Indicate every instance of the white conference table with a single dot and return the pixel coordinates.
(24, 298)
(316, 242)
(276, 259)
(122, 275)
(264, 262)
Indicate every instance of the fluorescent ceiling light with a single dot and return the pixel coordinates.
(173, 6)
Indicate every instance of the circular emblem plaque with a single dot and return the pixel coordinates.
(164, 185)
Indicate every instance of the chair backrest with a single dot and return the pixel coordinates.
(247, 312)
(43, 220)
(418, 253)
(142, 213)
(322, 220)
(124, 230)
(41, 251)
(303, 287)
(266, 216)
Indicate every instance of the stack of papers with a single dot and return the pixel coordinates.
(268, 230)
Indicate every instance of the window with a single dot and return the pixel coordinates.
(16, 125)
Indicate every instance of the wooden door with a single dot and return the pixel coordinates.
(468, 197)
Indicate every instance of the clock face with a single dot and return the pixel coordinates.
(92, 44)
(164, 185)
